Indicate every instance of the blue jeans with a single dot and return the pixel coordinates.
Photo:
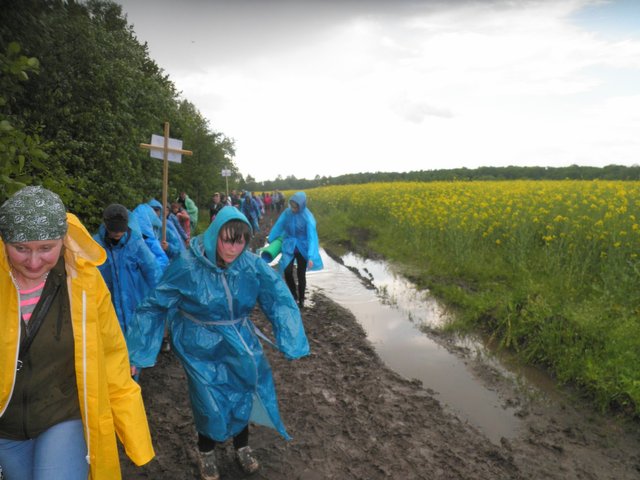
(58, 453)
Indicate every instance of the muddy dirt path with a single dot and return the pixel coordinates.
(352, 418)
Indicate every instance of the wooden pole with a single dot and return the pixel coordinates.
(165, 172)
(165, 181)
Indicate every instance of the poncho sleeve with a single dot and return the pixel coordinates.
(144, 335)
(281, 310)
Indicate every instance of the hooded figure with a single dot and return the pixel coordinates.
(176, 245)
(131, 270)
(208, 309)
(143, 217)
(298, 230)
(250, 208)
(296, 226)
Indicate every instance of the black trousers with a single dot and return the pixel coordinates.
(301, 271)
(205, 444)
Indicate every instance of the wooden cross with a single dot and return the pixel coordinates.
(166, 150)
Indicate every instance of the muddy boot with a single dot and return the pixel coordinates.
(208, 466)
(247, 460)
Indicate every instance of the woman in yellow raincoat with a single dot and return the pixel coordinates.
(65, 380)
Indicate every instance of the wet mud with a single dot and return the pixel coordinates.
(351, 417)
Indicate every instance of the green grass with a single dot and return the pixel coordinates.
(566, 300)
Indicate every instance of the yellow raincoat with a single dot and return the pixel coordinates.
(110, 401)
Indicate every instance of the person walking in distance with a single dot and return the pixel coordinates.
(297, 227)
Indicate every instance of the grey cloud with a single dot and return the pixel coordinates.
(416, 112)
(191, 33)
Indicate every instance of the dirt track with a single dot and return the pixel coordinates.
(352, 418)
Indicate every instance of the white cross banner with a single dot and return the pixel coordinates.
(175, 146)
(169, 150)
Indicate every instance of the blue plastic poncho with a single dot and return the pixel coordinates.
(298, 230)
(251, 209)
(176, 245)
(173, 219)
(131, 272)
(208, 308)
(142, 221)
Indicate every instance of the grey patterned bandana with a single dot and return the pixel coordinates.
(33, 213)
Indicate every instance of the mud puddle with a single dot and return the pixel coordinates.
(394, 313)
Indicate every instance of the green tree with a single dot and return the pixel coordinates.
(21, 149)
(99, 96)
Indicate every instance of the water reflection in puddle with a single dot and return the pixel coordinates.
(391, 316)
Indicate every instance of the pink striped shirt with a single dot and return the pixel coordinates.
(28, 300)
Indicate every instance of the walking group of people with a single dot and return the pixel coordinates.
(263, 203)
(81, 315)
(274, 201)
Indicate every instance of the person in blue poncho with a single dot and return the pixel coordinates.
(175, 244)
(207, 295)
(144, 219)
(131, 270)
(250, 208)
(297, 227)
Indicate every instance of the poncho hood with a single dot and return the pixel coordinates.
(210, 236)
(301, 199)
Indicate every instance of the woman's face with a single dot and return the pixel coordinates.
(31, 260)
(295, 208)
(228, 250)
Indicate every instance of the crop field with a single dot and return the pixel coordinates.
(549, 268)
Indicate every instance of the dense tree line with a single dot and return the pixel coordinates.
(78, 94)
(573, 172)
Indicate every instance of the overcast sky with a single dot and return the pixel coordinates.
(327, 87)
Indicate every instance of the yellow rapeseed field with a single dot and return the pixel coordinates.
(596, 216)
(551, 268)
